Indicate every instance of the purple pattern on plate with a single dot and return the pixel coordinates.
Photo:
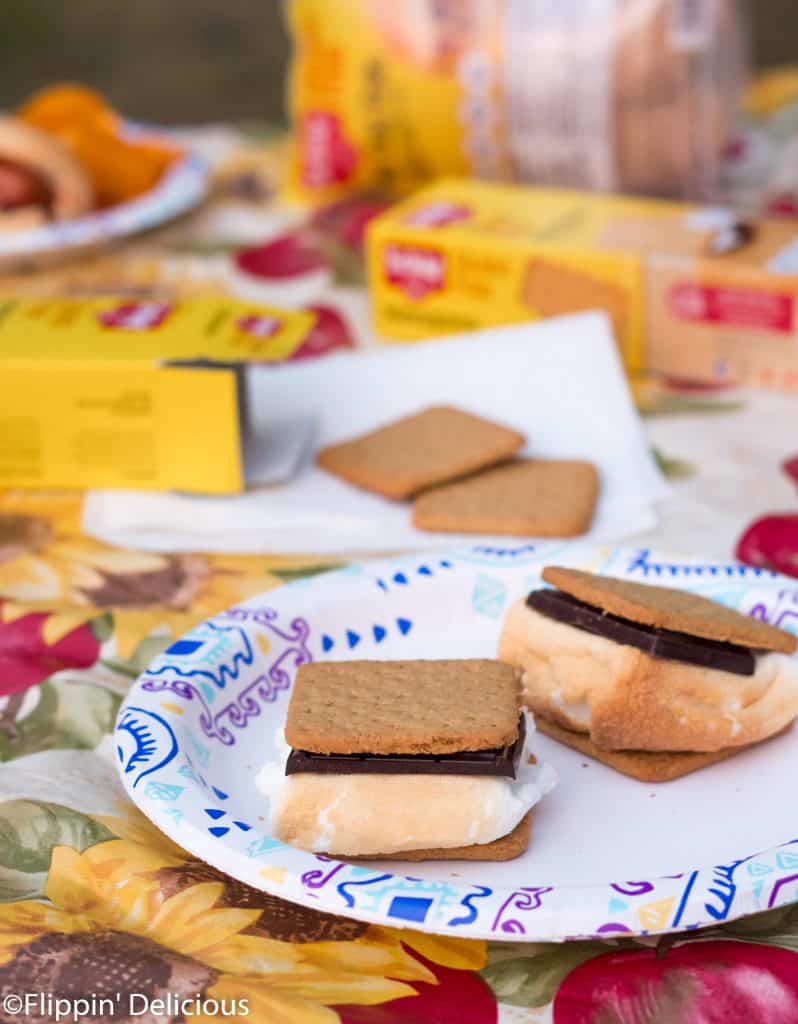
(783, 609)
(775, 890)
(632, 888)
(264, 689)
(525, 898)
(320, 877)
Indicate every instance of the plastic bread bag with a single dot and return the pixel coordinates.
(613, 95)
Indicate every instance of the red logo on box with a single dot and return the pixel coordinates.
(736, 307)
(136, 316)
(416, 270)
(327, 156)
(259, 326)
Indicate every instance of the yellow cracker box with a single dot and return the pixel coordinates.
(691, 292)
(146, 395)
(463, 255)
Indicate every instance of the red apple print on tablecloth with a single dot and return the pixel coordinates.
(712, 982)
(771, 543)
(329, 333)
(460, 997)
(790, 467)
(331, 241)
(345, 221)
(290, 255)
(784, 205)
(27, 659)
(736, 149)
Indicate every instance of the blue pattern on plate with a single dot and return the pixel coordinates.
(145, 743)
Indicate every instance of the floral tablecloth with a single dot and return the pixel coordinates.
(96, 904)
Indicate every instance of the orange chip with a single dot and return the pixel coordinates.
(120, 169)
(63, 108)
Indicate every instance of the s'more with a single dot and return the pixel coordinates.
(652, 681)
(412, 760)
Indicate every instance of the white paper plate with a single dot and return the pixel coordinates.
(182, 187)
(706, 848)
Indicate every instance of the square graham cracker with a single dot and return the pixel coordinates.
(552, 289)
(643, 765)
(667, 608)
(403, 707)
(525, 498)
(504, 848)
(438, 444)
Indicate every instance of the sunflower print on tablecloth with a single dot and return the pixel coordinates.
(46, 563)
(143, 916)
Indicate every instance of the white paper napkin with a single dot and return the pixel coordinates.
(559, 382)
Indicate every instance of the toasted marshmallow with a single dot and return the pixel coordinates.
(368, 815)
(625, 699)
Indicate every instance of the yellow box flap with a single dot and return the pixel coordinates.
(147, 332)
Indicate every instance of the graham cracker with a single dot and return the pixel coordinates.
(525, 498)
(643, 765)
(505, 848)
(439, 444)
(552, 289)
(403, 707)
(669, 235)
(667, 608)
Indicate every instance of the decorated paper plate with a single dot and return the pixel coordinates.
(182, 187)
(608, 855)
